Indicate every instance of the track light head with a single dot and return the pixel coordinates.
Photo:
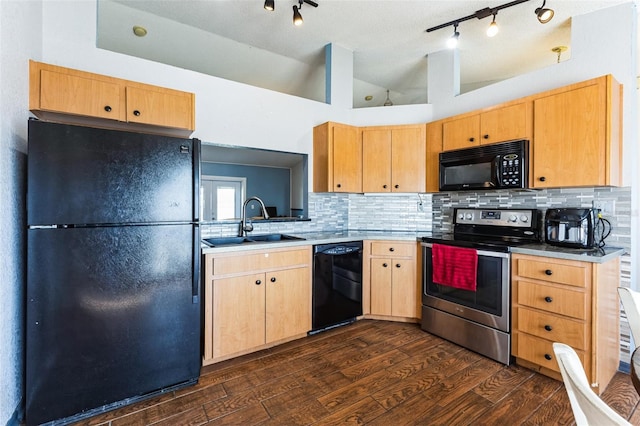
(297, 18)
(452, 43)
(544, 15)
(493, 27)
(270, 5)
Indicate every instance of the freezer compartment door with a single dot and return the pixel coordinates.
(111, 314)
(83, 175)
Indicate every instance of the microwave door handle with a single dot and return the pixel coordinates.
(495, 170)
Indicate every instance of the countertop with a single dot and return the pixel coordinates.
(313, 238)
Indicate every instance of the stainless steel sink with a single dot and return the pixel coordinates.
(225, 241)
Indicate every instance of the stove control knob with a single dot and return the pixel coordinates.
(513, 218)
(524, 218)
(461, 216)
(468, 216)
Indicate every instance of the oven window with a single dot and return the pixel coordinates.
(488, 294)
(467, 174)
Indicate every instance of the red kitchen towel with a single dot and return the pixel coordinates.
(455, 266)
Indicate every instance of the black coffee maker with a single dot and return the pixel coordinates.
(571, 227)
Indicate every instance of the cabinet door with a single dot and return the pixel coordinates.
(168, 109)
(288, 306)
(461, 133)
(78, 95)
(376, 160)
(504, 124)
(238, 314)
(404, 293)
(381, 286)
(570, 130)
(408, 159)
(434, 148)
(347, 159)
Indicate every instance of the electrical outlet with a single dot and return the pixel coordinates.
(420, 206)
(606, 207)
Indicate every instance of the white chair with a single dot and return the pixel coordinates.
(631, 304)
(588, 408)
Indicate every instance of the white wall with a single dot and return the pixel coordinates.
(15, 17)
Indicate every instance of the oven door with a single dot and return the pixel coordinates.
(488, 305)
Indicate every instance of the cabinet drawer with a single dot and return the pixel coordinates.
(575, 275)
(553, 328)
(393, 249)
(259, 261)
(553, 299)
(540, 351)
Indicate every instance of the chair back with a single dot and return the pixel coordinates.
(587, 407)
(631, 304)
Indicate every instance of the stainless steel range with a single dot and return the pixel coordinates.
(474, 310)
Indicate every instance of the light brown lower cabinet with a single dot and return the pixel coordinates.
(254, 300)
(390, 268)
(571, 302)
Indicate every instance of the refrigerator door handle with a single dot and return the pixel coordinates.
(196, 179)
(195, 291)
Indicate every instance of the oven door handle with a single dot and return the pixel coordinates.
(480, 252)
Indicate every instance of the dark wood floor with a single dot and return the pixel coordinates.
(373, 373)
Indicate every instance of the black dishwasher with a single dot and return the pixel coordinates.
(337, 284)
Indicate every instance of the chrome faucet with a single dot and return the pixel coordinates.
(248, 227)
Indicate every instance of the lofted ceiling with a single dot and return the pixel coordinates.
(239, 40)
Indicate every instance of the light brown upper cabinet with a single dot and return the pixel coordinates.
(578, 135)
(434, 148)
(79, 97)
(394, 158)
(337, 158)
(498, 124)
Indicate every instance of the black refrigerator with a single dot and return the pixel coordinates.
(113, 312)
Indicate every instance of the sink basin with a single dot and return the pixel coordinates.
(225, 241)
(272, 237)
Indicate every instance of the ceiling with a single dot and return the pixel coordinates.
(239, 40)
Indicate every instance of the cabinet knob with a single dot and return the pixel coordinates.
(258, 282)
(136, 113)
(548, 327)
(472, 139)
(338, 185)
(486, 136)
(397, 265)
(384, 265)
(384, 186)
(392, 249)
(396, 186)
(547, 357)
(548, 272)
(548, 299)
(273, 279)
(107, 108)
(542, 178)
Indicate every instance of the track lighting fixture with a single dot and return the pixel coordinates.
(493, 27)
(270, 5)
(297, 17)
(388, 101)
(544, 15)
(452, 43)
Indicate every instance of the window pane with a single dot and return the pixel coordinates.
(226, 196)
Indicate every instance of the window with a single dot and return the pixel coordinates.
(221, 197)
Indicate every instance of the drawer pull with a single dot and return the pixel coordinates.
(107, 108)
(548, 299)
(397, 265)
(542, 178)
(548, 327)
(472, 139)
(384, 186)
(548, 272)
(273, 279)
(258, 282)
(136, 113)
(339, 186)
(384, 265)
(547, 357)
(392, 249)
(396, 186)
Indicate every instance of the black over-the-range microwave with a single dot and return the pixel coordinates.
(496, 166)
